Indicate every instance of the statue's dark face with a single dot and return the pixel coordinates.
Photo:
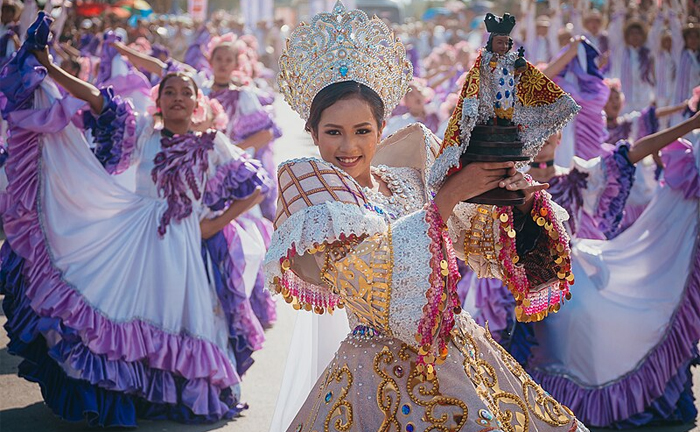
(500, 44)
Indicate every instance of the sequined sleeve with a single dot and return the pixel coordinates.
(332, 249)
(536, 270)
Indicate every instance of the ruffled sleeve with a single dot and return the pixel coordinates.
(600, 199)
(251, 117)
(232, 175)
(680, 168)
(647, 123)
(23, 74)
(114, 132)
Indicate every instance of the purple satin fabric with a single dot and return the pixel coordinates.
(654, 383)
(51, 297)
(680, 170)
(235, 180)
(114, 131)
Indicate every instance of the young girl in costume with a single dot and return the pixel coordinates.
(110, 297)
(251, 127)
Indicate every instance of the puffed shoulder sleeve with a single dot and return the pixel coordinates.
(318, 206)
(332, 248)
(232, 175)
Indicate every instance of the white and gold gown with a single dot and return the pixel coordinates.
(338, 245)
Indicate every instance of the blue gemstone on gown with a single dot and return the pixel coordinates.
(343, 71)
(329, 396)
(406, 410)
(485, 414)
(502, 81)
(507, 93)
(410, 427)
(511, 82)
(505, 71)
(499, 96)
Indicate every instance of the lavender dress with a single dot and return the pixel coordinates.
(247, 116)
(107, 296)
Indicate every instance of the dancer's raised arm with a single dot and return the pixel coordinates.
(75, 86)
(651, 144)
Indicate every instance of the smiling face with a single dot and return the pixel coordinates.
(223, 62)
(177, 99)
(347, 136)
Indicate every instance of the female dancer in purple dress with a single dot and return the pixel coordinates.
(251, 127)
(110, 298)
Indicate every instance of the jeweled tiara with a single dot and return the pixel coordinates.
(341, 46)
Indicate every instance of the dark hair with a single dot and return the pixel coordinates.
(341, 91)
(74, 64)
(178, 75)
(635, 25)
(690, 28)
(489, 43)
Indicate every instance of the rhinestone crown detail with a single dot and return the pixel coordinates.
(341, 46)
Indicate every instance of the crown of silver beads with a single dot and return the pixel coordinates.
(343, 46)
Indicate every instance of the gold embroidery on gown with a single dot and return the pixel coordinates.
(379, 273)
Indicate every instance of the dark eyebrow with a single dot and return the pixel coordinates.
(340, 127)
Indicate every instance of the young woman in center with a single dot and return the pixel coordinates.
(362, 229)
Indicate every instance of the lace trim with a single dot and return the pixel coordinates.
(320, 224)
(540, 123)
(411, 275)
(448, 159)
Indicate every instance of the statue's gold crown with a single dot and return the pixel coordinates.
(343, 46)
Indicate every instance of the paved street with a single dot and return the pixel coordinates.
(21, 407)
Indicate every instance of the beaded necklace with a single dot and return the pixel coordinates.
(403, 197)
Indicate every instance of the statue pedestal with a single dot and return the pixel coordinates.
(496, 143)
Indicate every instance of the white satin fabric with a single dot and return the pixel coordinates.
(104, 237)
(314, 342)
(138, 96)
(627, 289)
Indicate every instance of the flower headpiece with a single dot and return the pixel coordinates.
(343, 46)
(228, 38)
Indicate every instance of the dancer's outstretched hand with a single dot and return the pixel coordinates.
(43, 56)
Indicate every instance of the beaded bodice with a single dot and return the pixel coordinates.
(406, 188)
(364, 278)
